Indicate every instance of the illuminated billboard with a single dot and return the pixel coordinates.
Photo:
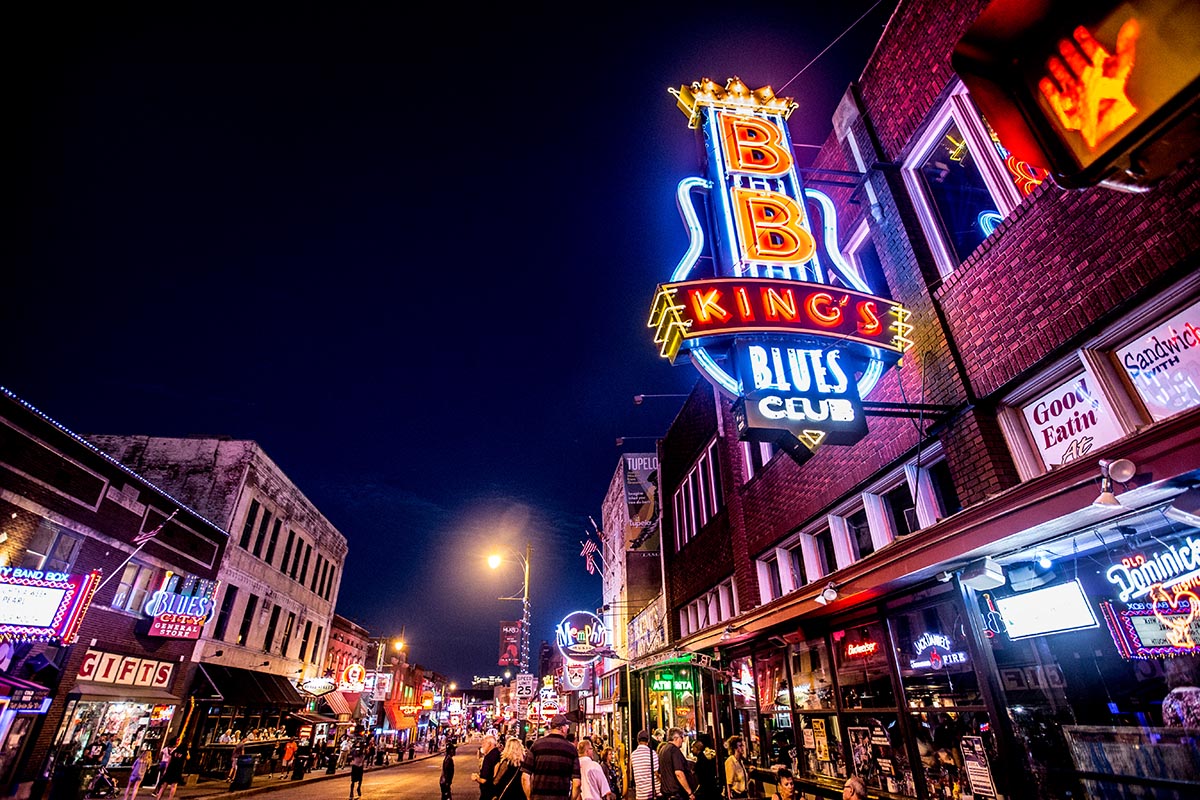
(763, 303)
(40, 606)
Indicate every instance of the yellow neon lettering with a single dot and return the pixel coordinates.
(707, 305)
(754, 145)
(770, 226)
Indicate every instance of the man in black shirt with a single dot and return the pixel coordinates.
(489, 757)
(672, 768)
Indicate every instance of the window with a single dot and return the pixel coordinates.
(269, 639)
(304, 639)
(51, 549)
(296, 557)
(287, 634)
(826, 556)
(715, 605)
(329, 583)
(317, 644)
(231, 593)
(698, 497)
(135, 585)
(316, 576)
(943, 488)
(859, 532)
(960, 187)
(796, 563)
(262, 533)
(248, 528)
(270, 557)
(757, 455)
(287, 551)
(304, 569)
(895, 502)
(774, 583)
(247, 620)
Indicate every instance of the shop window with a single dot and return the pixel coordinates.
(231, 593)
(136, 583)
(1069, 420)
(950, 740)
(51, 549)
(864, 676)
(820, 746)
(745, 707)
(961, 189)
(812, 677)
(247, 620)
(248, 527)
(774, 704)
(878, 754)
(936, 668)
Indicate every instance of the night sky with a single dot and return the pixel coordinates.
(411, 255)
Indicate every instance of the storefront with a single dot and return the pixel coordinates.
(241, 707)
(22, 702)
(676, 690)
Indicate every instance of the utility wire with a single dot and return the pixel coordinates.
(831, 44)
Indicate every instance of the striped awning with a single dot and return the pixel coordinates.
(338, 703)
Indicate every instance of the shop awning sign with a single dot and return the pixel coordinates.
(318, 687)
(43, 606)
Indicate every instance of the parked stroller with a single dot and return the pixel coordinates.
(101, 786)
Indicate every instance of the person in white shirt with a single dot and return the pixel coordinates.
(643, 763)
(593, 785)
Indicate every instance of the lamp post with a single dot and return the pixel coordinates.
(494, 562)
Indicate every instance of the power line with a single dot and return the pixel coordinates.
(831, 44)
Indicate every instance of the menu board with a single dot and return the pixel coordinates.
(976, 763)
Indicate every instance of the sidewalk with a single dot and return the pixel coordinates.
(212, 787)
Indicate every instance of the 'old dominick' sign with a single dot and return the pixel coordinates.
(771, 315)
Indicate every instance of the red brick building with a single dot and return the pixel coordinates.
(958, 602)
(117, 685)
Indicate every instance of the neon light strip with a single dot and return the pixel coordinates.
(829, 219)
(691, 220)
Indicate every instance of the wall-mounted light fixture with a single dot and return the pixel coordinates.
(1119, 470)
(828, 595)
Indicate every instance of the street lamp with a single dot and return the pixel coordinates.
(494, 561)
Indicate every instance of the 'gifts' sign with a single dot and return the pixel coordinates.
(103, 667)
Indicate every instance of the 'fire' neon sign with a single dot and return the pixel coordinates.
(761, 286)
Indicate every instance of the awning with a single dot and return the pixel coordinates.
(84, 690)
(244, 687)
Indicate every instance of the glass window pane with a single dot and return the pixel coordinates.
(745, 707)
(860, 534)
(935, 662)
(878, 754)
(820, 747)
(812, 681)
(960, 196)
(862, 667)
(940, 747)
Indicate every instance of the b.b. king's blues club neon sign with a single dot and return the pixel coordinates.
(763, 303)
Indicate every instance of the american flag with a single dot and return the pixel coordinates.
(146, 536)
(589, 549)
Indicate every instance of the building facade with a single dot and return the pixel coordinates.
(107, 581)
(280, 578)
(993, 594)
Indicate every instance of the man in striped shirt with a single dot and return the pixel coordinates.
(643, 764)
(551, 767)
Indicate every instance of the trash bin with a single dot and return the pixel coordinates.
(331, 763)
(67, 783)
(299, 765)
(243, 774)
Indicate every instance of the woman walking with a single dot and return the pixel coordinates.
(137, 773)
(357, 762)
(174, 773)
(447, 772)
(507, 779)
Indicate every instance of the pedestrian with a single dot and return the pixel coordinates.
(489, 756)
(275, 754)
(854, 789)
(508, 771)
(137, 773)
(239, 750)
(357, 762)
(174, 773)
(673, 767)
(447, 779)
(643, 768)
(289, 756)
(737, 779)
(785, 787)
(593, 784)
(551, 770)
(707, 785)
(612, 771)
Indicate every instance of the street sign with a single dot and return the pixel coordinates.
(524, 686)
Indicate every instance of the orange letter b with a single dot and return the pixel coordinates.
(754, 145)
(769, 225)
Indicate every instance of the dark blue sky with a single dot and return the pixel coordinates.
(411, 255)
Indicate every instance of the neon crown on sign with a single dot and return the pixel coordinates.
(735, 95)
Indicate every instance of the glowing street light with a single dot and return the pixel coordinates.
(494, 561)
